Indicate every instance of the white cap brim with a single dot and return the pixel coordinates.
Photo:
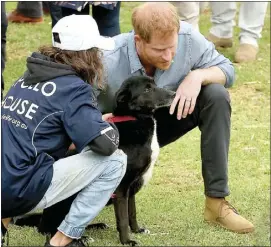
(106, 43)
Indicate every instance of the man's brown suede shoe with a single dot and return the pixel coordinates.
(17, 17)
(246, 53)
(219, 42)
(219, 211)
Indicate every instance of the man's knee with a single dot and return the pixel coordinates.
(216, 94)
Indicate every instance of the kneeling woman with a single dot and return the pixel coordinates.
(51, 106)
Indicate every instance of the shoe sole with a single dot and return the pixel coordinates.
(242, 231)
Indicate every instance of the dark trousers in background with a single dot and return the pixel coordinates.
(55, 12)
(107, 19)
(212, 115)
(4, 26)
(30, 9)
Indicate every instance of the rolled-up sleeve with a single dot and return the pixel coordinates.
(204, 55)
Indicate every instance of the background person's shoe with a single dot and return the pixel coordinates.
(17, 17)
(219, 42)
(246, 53)
(219, 211)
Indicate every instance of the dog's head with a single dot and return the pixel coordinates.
(138, 95)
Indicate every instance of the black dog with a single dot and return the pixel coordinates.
(138, 97)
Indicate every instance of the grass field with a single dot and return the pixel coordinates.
(171, 207)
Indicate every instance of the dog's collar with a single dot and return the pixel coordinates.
(117, 119)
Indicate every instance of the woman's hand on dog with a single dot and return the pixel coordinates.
(107, 116)
(187, 94)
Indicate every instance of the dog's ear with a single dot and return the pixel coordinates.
(121, 101)
(123, 97)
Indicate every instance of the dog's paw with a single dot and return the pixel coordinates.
(143, 231)
(102, 226)
(130, 242)
(89, 240)
(97, 226)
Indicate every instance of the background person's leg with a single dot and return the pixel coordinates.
(251, 21)
(107, 19)
(69, 11)
(30, 9)
(55, 12)
(27, 12)
(189, 12)
(223, 21)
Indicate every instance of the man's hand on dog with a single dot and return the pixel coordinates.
(187, 94)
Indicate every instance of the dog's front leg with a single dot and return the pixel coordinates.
(132, 216)
(121, 213)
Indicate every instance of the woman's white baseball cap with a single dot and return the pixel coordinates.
(79, 32)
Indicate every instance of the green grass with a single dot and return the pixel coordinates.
(171, 207)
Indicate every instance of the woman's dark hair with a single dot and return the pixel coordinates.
(87, 63)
